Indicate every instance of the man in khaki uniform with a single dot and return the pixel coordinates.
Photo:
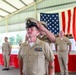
(47, 36)
(62, 44)
(34, 52)
(6, 50)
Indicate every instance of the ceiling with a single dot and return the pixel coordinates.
(8, 7)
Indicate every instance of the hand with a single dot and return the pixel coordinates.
(9, 53)
(68, 52)
(21, 73)
(26, 37)
(39, 25)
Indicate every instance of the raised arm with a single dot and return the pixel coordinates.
(49, 34)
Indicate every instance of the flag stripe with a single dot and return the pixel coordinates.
(74, 24)
(66, 21)
(63, 21)
(60, 21)
(69, 20)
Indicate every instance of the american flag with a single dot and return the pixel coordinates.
(61, 20)
(52, 21)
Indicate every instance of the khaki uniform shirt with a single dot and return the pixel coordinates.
(62, 44)
(6, 47)
(45, 38)
(34, 57)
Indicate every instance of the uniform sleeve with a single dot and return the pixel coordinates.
(48, 52)
(2, 44)
(10, 46)
(45, 38)
(68, 41)
(19, 53)
(2, 47)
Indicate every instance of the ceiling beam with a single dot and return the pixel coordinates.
(32, 4)
(11, 5)
(5, 10)
(34, 0)
(1, 16)
(23, 2)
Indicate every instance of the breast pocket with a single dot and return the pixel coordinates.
(39, 54)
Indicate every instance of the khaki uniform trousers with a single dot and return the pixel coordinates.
(6, 58)
(63, 62)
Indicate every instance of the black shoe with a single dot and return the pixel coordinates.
(4, 69)
(7, 69)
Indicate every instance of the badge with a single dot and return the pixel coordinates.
(29, 22)
(38, 49)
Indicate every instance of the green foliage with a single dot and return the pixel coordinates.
(0, 39)
(15, 40)
(18, 38)
(12, 40)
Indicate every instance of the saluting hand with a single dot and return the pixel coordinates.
(39, 25)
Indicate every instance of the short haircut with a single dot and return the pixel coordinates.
(6, 37)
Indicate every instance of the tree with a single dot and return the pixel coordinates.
(12, 40)
(18, 38)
